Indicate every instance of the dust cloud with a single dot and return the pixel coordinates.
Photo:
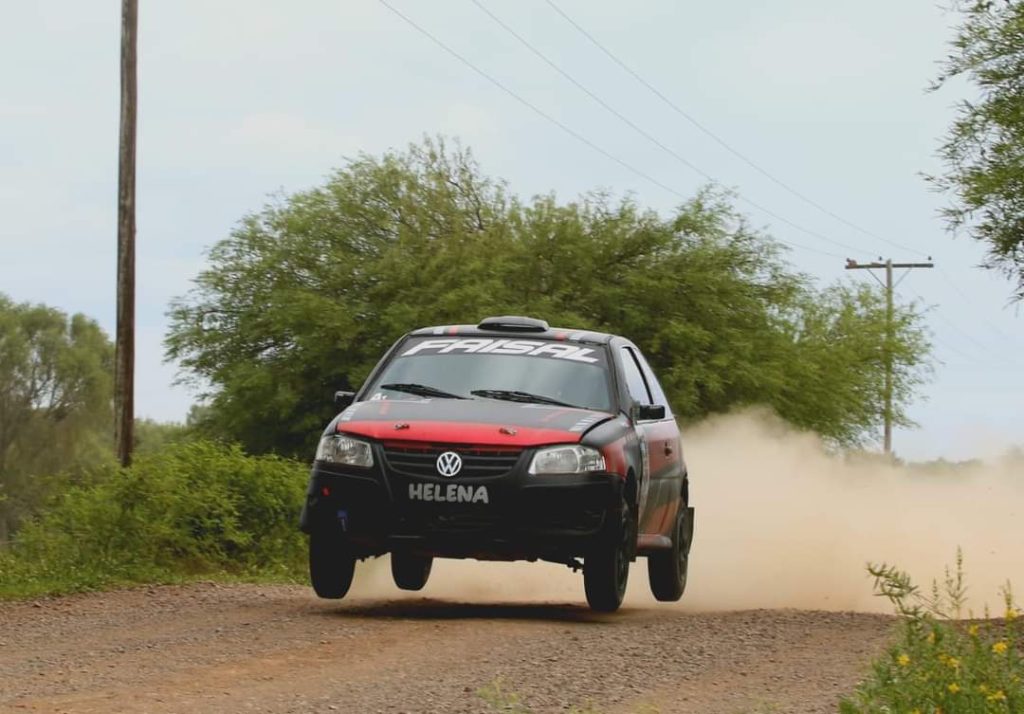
(783, 523)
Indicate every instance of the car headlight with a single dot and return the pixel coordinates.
(573, 459)
(341, 449)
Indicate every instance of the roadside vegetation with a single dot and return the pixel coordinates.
(944, 660)
(187, 510)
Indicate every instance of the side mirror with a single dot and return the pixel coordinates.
(650, 412)
(343, 399)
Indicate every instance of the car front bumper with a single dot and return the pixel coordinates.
(521, 516)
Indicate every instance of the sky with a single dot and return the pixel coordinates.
(242, 102)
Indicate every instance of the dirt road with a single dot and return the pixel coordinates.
(242, 648)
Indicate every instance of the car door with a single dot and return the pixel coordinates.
(663, 462)
(639, 394)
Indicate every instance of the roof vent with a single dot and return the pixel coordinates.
(512, 323)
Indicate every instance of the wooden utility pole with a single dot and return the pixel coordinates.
(890, 331)
(124, 358)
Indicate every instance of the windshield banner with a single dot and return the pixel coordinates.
(485, 345)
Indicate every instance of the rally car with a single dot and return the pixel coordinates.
(507, 440)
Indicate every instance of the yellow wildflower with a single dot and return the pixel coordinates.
(973, 630)
(953, 662)
(1011, 614)
(982, 688)
(996, 696)
(903, 660)
(943, 657)
(999, 647)
(931, 637)
(953, 687)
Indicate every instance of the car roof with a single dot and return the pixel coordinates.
(534, 333)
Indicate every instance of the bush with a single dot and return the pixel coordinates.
(942, 663)
(188, 509)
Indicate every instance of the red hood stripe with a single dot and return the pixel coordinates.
(453, 432)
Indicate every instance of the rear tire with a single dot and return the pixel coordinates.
(331, 565)
(410, 571)
(606, 567)
(666, 570)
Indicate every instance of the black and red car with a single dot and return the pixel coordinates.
(507, 440)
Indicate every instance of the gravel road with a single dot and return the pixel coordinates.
(248, 648)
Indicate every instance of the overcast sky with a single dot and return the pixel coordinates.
(243, 100)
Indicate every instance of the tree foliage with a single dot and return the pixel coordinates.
(984, 149)
(55, 408)
(304, 297)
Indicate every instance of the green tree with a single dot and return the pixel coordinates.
(152, 435)
(55, 409)
(305, 296)
(984, 149)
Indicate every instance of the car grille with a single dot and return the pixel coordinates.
(477, 462)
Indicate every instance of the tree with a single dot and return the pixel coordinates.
(304, 297)
(55, 401)
(984, 149)
(153, 436)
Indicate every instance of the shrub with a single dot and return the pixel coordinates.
(940, 662)
(188, 509)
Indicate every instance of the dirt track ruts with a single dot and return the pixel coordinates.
(248, 648)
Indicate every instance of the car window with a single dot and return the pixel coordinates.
(635, 384)
(652, 382)
(574, 374)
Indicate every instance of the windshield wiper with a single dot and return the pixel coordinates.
(516, 396)
(420, 390)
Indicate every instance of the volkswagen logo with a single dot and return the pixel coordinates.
(449, 463)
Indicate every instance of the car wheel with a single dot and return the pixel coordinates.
(606, 567)
(666, 569)
(410, 571)
(331, 565)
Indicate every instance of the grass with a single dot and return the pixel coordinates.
(32, 586)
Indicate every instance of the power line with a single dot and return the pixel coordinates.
(750, 162)
(590, 144)
(956, 328)
(714, 136)
(568, 130)
(654, 140)
(931, 308)
(953, 348)
(721, 142)
(963, 294)
(986, 353)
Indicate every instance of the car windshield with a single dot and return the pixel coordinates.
(522, 370)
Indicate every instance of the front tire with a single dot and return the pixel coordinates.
(606, 567)
(331, 565)
(410, 572)
(666, 570)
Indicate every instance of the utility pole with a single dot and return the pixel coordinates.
(124, 356)
(890, 327)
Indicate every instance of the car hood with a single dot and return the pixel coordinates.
(468, 421)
